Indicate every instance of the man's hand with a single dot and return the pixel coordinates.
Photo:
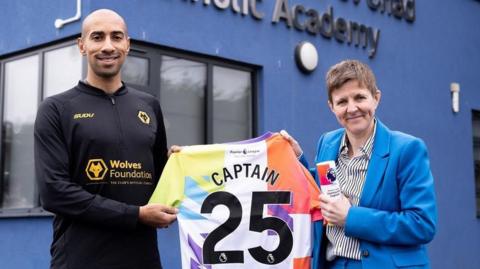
(157, 215)
(295, 146)
(334, 210)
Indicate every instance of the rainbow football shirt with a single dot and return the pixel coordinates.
(248, 204)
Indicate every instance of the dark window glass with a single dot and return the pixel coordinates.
(182, 98)
(232, 104)
(20, 105)
(476, 154)
(135, 70)
(62, 69)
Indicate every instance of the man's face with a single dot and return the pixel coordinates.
(354, 106)
(105, 43)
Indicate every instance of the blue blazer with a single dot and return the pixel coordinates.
(397, 213)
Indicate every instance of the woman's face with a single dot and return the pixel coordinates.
(354, 106)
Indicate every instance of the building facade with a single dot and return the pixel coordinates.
(228, 70)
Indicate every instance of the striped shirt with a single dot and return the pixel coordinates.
(351, 175)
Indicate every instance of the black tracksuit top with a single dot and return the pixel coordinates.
(98, 158)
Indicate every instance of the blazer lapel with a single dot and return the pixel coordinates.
(330, 150)
(377, 164)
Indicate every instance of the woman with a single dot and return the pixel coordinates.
(387, 210)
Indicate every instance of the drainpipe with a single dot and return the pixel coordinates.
(59, 23)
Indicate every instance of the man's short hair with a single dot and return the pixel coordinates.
(348, 70)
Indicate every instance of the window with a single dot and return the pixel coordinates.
(135, 70)
(182, 96)
(476, 154)
(20, 99)
(204, 100)
(27, 79)
(60, 73)
(232, 106)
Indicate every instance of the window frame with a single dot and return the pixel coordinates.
(17, 212)
(476, 172)
(150, 51)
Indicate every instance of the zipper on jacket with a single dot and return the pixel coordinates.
(118, 121)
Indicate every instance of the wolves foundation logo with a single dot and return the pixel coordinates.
(143, 116)
(96, 169)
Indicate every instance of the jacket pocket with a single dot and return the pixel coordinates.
(410, 258)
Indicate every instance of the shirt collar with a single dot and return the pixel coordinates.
(87, 88)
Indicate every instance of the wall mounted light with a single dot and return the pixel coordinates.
(455, 89)
(306, 56)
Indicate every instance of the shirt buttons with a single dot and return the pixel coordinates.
(365, 253)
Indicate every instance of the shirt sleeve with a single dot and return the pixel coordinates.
(170, 188)
(58, 193)
(160, 153)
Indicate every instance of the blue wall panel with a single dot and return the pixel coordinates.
(25, 243)
(415, 64)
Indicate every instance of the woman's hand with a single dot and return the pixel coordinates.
(334, 210)
(174, 149)
(295, 146)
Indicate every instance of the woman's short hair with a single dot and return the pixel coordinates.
(348, 70)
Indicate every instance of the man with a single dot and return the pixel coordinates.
(99, 149)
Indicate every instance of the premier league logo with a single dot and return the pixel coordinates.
(223, 257)
(331, 176)
(327, 176)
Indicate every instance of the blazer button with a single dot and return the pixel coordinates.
(365, 253)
